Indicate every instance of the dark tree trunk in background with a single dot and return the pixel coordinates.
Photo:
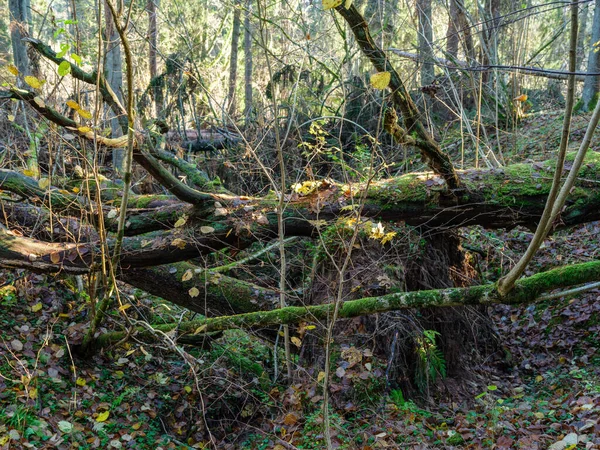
(235, 37)
(425, 40)
(248, 61)
(152, 48)
(114, 76)
(458, 31)
(20, 18)
(582, 35)
(592, 83)
(452, 33)
(489, 44)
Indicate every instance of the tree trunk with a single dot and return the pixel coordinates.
(235, 37)
(459, 31)
(424, 15)
(248, 61)
(152, 8)
(452, 34)
(20, 18)
(113, 71)
(592, 83)
(489, 39)
(582, 36)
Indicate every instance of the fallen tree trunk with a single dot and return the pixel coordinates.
(526, 290)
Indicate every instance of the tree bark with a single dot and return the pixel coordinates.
(20, 18)
(584, 12)
(425, 38)
(591, 86)
(459, 31)
(113, 71)
(248, 61)
(235, 36)
(152, 7)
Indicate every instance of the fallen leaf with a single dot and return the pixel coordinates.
(103, 416)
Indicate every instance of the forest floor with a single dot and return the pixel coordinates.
(147, 396)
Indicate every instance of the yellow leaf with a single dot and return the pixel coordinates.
(296, 341)
(179, 243)
(76, 190)
(194, 292)
(37, 307)
(310, 327)
(187, 275)
(55, 257)
(124, 307)
(84, 129)
(28, 173)
(33, 392)
(103, 416)
(187, 389)
(80, 382)
(348, 4)
(388, 237)
(73, 104)
(320, 377)
(85, 114)
(11, 118)
(206, 230)
(380, 80)
(34, 82)
(181, 222)
(539, 378)
(328, 4)
(43, 183)
(12, 69)
(136, 426)
(118, 374)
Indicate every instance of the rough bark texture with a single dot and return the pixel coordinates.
(113, 71)
(582, 37)
(235, 37)
(20, 17)
(152, 8)
(248, 61)
(591, 86)
(425, 38)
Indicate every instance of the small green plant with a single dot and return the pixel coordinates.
(397, 398)
(431, 363)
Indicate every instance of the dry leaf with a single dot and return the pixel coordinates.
(179, 243)
(181, 222)
(381, 80)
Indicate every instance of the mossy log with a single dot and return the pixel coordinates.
(526, 290)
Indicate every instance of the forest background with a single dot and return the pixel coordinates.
(299, 225)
